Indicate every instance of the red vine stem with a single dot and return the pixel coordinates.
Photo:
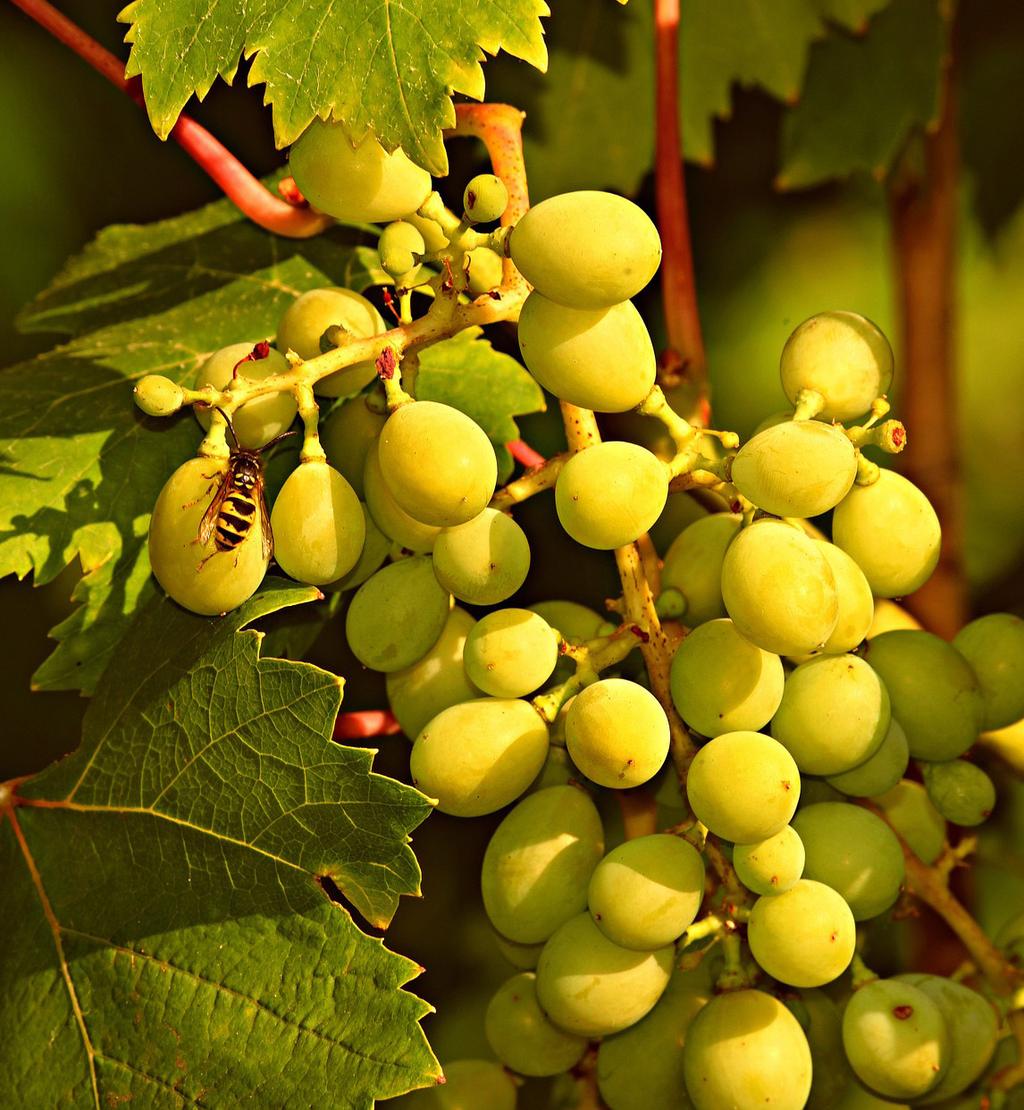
(523, 453)
(364, 723)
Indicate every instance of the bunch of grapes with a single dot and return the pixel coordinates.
(708, 959)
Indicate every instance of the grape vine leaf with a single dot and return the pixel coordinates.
(169, 937)
(386, 66)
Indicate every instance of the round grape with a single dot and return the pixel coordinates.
(693, 565)
(400, 246)
(485, 198)
(483, 561)
(257, 421)
(158, 396)
(347, 436)
(909, 810)
(770, 866)
(521, 1035)
(961, 792)
(994, 647)
(511, 652)
(882, 771)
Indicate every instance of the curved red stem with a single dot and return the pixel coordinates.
(523, 453)
(365, 723)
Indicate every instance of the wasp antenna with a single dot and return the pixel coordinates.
(231, 427)
(277, 439)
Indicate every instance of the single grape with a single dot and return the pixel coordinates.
(520, 1034)
(524, 957)
(438, 680)
(308, 317)
(597, 358)
(477, 756)
(590, 986)
(744, 1051)
(880, 772)
(994, 647)
(778, 588)
(934, 693)
(397, 615)
(586, 249)
(770, 866)
(822, 1024)
(375, 551)
(472, 1084)
(438, 463)
(842, 356)
(485, 270)
(539, 861)
(721, 682)
(576, 622)
(961, 792)
(257, 421)
(693, 565)
(401, 246)
(511, 652)
(388, 515)
(355, 182)
(196, 575)
(318, 524)
(895, 1038)
(909, 810)
(483, 561)
(617, 733)
(803, 937)
(744, 786)
(891, 531)
(347, 436)
(833, 715)
(799, 468)
(485, 198)
(856, 604)
(157, 395)
(610, 494)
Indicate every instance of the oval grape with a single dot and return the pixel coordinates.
(693, 566)
(389, 516)
(511, 652)
(483, 561)
(994, 647)
(961, 792)
(882, 771)
(520, 1034)
(770, 866)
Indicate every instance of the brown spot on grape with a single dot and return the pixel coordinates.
(901, 1013)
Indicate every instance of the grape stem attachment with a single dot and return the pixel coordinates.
(590, 658)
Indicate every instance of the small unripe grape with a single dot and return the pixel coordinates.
(483, 561)
(961, 792)
(157, 395)
(485, 198)
(693, 565)
(388, 515)
(511, 652)
(521, 1035)
(400, 246)
(882, 771)
(347, 436)
(994, 647)
(257, 421)
(770, 866)
(485, 270)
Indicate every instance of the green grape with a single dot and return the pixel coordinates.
(524, 957)
(693, 565)
(478, 756)
(511, 652)
(257, 421)
(389, 516)
(401, 246)
(610, 494)
(722, 682)
(397, 615)
(539, 861)
(744, 1051)
(813, 791)
(646, 892)
(438, 463)
(484, 268)
(961, 792)
(375, 551)
(473, 1084)
(891, 531)
(854, 852)
(994, 647)
(586, 249)
(778, 588)
(157, 395)
(483, 561)
(485, 198)
(438, 680)
(347, 436)
(909, 810)
(770, 866)
(617, 733)
(822, 1024)
(800, 468)
(196, 575)
(520, 1034)
(935, 694)
(597, 358)
(590, 986)
(856, 604)
(973, 1027)
(744, 786)
(318, 524)
(833, 716)
(895, 1038)
(355, 182)
(558, 770)
(308, 317)
(882, 771)
(855, 1097)
(641, 1068)
(842, 356)
(803, 937)
(576, 622)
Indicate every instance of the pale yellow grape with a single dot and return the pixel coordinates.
(779, 589)
(474, 1084)
(590, 986)
(909, 810)
(157, 395)
(881, 771)
(770, 866)
(994, 647)
(484, 268)
(745, 1051)
(438, 463)
(257, 421)
(856, 603)
(355, 182)
(617, 733)
(842, 356)
(400, 246)
(477, 756)
(693, 565)
(803, 937)
(375, 551)
(318, 524)
(889, 617)
(195, 575)
(600, 359)
(891, 531)
(388, 515)
(347, 436)
(485, 198)
(520, 1034)
(438, 680)
(483, 561)
(576, 622)
(744, 786)
(511, 652)
(609, 494)
(433, 234)
(721, 682)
